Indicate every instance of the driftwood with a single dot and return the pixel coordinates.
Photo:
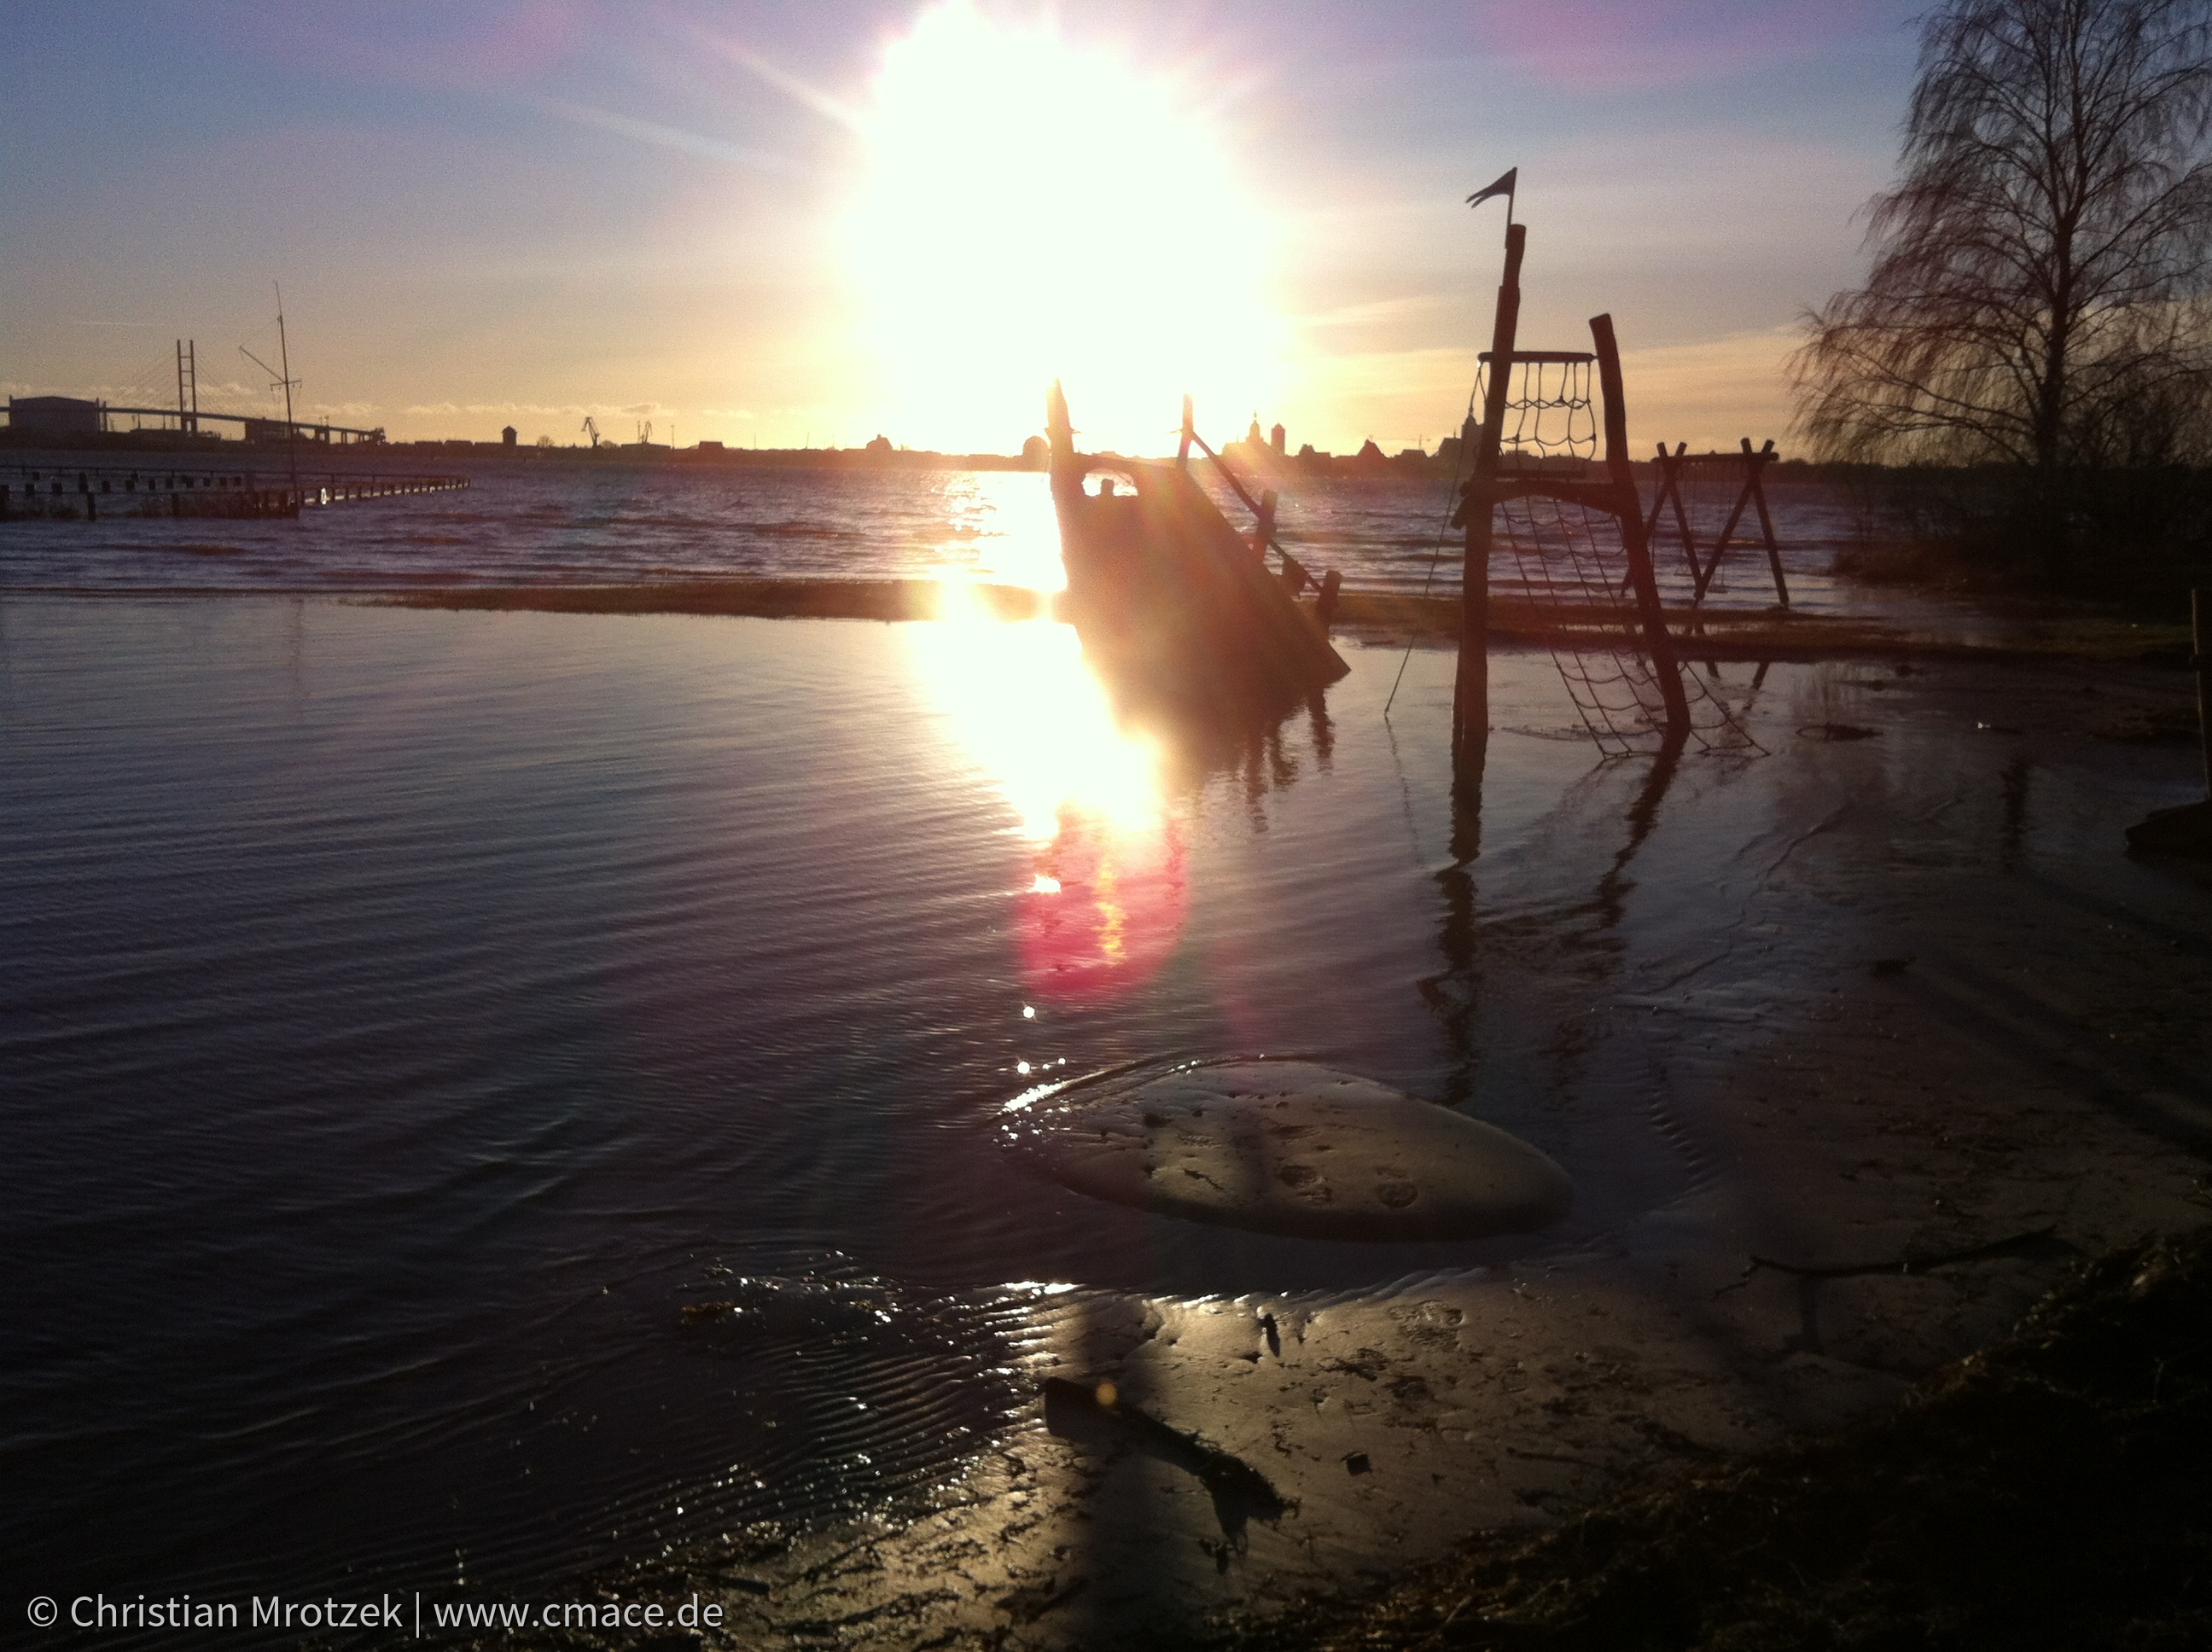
(1910, 1262)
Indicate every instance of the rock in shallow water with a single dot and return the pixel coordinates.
(1291, 1147)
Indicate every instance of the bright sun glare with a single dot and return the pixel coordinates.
(1033, 211)
(1020, 698)
(1103, 896)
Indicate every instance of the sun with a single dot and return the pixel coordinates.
(1032, 211)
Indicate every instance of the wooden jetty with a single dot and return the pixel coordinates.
(84, 493)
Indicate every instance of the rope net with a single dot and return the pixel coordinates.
(1572, 567)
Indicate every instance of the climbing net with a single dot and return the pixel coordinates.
(1571, 566)
(1550, 415)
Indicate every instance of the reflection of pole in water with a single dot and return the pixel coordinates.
(1643, 814)
(2015, 813)
(1323, 731)
(295, 648)
(1454, 994)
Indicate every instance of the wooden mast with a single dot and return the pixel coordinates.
(1471, 688)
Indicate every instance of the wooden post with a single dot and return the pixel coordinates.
(2187, 829)
(1760, 461)
(1471, 687)
(1630, 509)
(2200, 624)
(1728, 532)
(1066, 469)
(1670, 492)
(1263, 529)
(1189, 431)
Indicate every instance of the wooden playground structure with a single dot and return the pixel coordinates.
(1686, 494)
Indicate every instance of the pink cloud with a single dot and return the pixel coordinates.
(1593, 44)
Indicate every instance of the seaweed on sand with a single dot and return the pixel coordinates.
(2052, 1491)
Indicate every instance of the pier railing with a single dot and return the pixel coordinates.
(85, 492)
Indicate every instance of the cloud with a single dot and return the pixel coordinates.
(1379, 310)
(804, 94)
(671, 137)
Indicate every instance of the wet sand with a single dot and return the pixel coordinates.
(1924, 630)
(1918, 1005)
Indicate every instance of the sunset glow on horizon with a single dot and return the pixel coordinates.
(782, 226)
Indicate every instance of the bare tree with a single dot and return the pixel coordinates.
(2038, 298)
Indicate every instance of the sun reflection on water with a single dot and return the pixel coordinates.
(1104, 895)
(1004, 529)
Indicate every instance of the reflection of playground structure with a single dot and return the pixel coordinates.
(1583, 927)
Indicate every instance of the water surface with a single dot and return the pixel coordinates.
(404, 1015)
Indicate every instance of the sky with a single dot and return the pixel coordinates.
(809, 225)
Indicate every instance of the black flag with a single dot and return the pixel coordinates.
(1503, 187)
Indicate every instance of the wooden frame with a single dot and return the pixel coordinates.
(1753, 494)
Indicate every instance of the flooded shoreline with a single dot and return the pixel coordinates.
(2032, 634)
(601, 970)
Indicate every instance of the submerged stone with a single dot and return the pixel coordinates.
(1292, 1148)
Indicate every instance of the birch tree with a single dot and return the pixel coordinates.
(2038, 298)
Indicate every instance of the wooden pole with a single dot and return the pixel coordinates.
(1760, 461)
(1263, 529)
(1672, 467)
(1189, 435)
(1630, 509)
(1332, 584)
(2200, 622)
(291, 430)
(1471, 688)
(1727, 532)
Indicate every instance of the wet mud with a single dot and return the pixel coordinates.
(2047, 1491)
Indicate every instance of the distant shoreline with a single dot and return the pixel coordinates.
(1263, 468)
